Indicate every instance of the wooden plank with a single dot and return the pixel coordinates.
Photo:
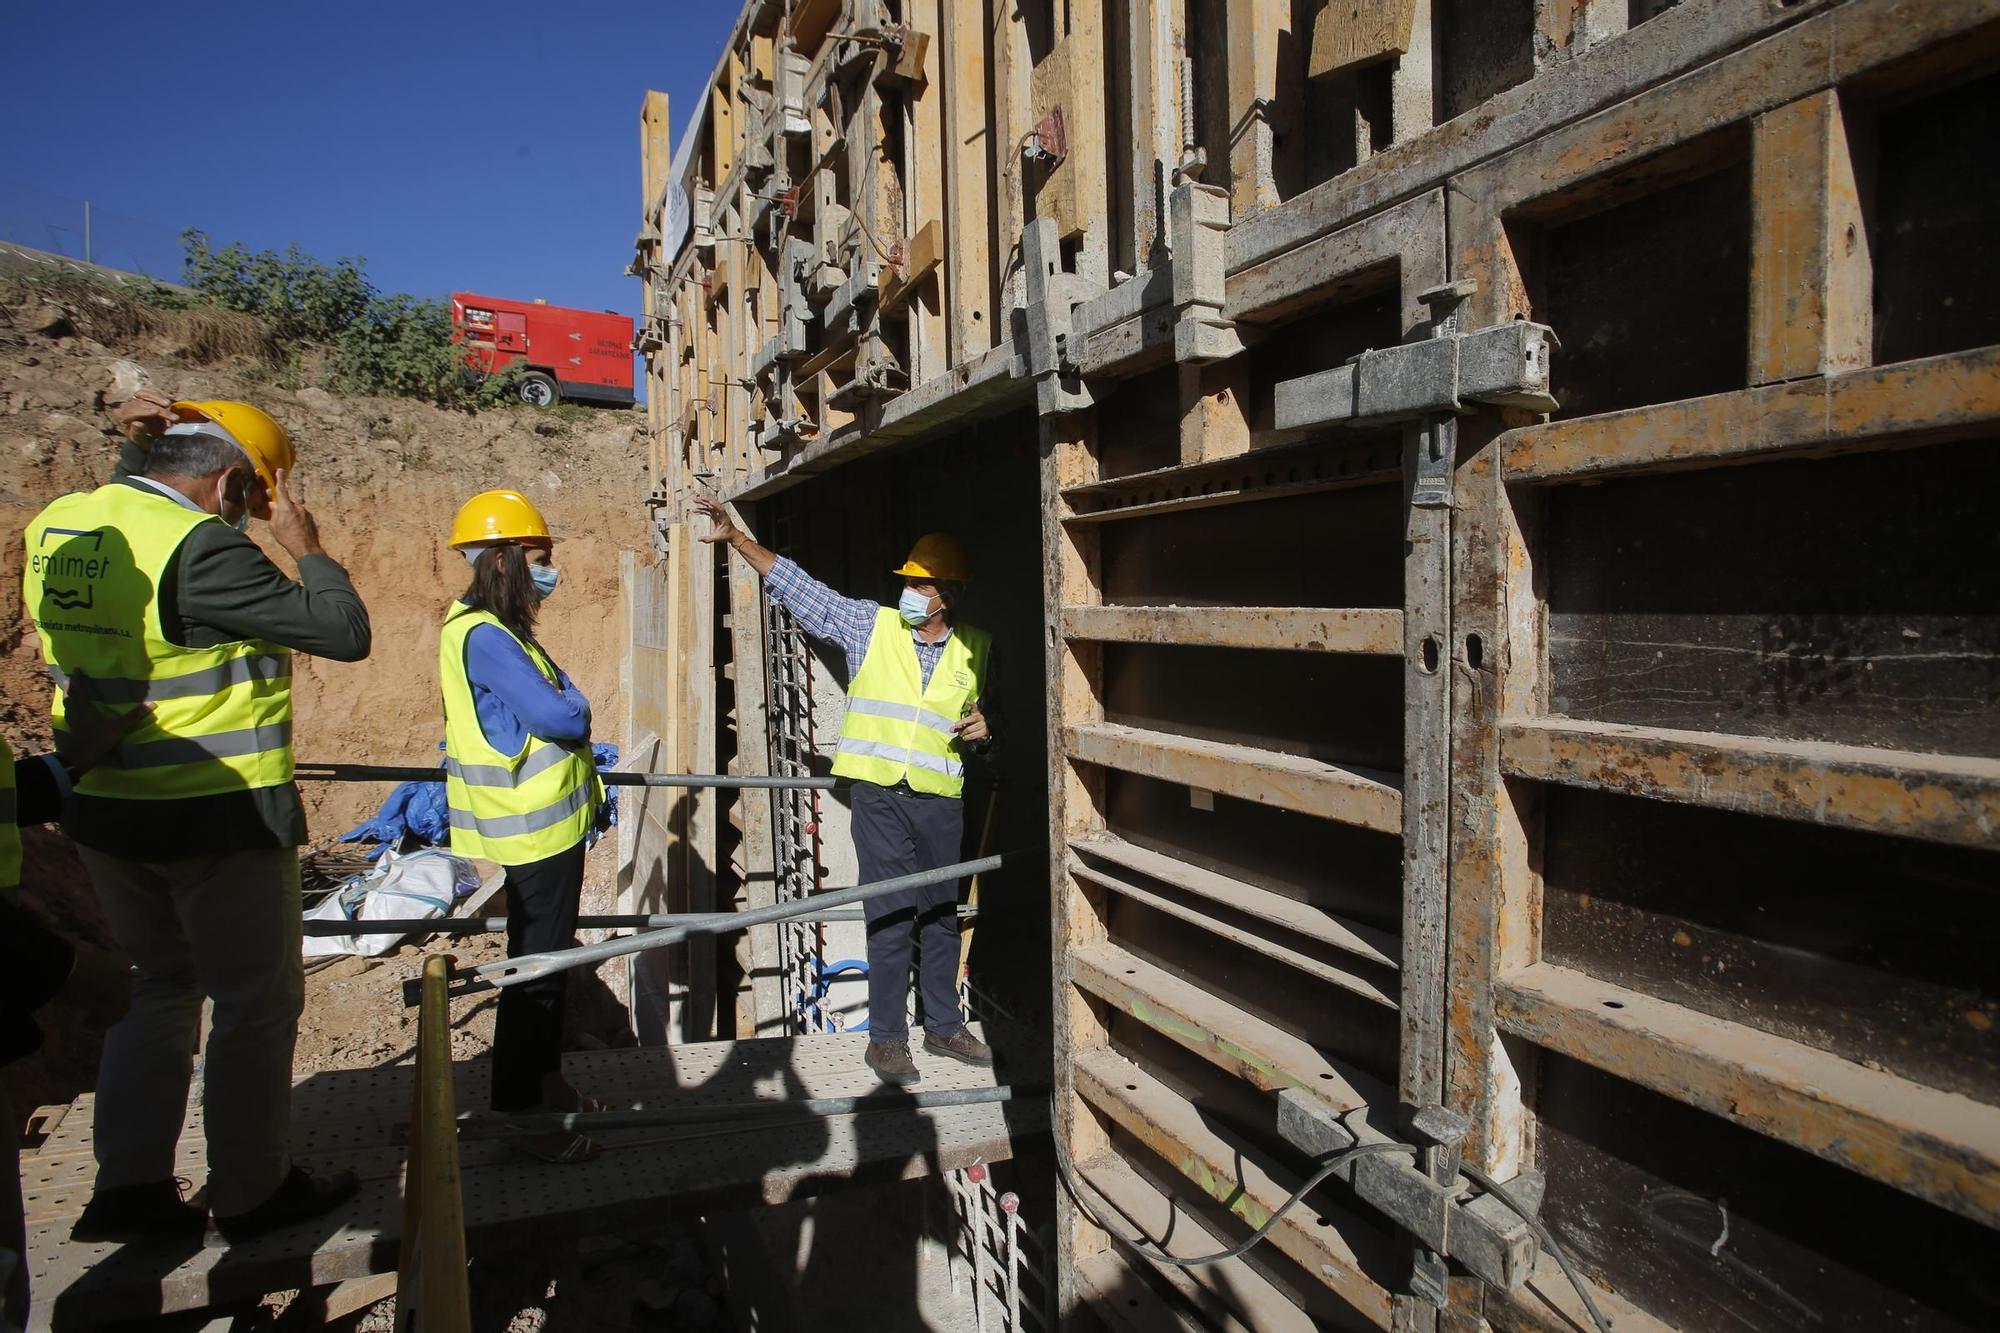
(1937, 398)
(812, 20)
(967, 151)
(1071, 562)
(1942, 798)
(1257, 29)
(1495, 906)
(1283, 628)
(1364, 796)
(1358, 32)
(1228, 495)
(921, 258)
(1376, 946)
(656, 152)
(917, 288)
(1241, 1178)
(1231, 1294)
(1427, 677)
(1261, 1054)
(1811, 283)
(1937, 1145)
(1215, 410)
(1255, 941)
(1363, 257)
(1547, 1303)
(1123, 1300)
(758, 848)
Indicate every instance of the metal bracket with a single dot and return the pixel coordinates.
(1050, 141)
(1436, 446)
(1427, 1198)
(1506, 365)
(792, 73)
(1197, 226)
(1053, 342)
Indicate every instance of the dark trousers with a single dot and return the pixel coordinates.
(897, 832)
(542, 898)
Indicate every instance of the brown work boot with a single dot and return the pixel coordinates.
(960, 1045)
(891, 1060)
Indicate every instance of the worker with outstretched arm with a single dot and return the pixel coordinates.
(189, 829)
(521, 787)
(918, 698)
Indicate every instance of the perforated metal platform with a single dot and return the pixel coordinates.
(355, 1119)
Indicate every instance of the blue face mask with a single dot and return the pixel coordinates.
(913, 607)
(545, 579)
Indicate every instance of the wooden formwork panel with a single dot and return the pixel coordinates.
(1601, 773)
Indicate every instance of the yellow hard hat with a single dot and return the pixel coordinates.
(937, 555)
(252, 429)
(499, 516)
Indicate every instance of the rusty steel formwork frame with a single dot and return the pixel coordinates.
(1522, 619)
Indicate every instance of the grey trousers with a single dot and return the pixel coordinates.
(900, 833)
(227, 927)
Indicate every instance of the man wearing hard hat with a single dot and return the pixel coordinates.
(917, 684)
(189, 828)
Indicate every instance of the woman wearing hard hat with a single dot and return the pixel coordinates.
(521, 786)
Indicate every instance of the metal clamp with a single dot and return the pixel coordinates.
(1197, 226)
(1429, 1197)
(1053, 342)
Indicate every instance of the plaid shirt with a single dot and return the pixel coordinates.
(849, 622)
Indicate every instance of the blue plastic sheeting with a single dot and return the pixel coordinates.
(417, 810)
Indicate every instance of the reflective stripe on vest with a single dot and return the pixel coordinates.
(208, 680)
(220, 719)
(515, 808)
(898, 728)
(10, 827)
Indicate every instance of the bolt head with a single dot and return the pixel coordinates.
(1010, 1202)
(976, 1172)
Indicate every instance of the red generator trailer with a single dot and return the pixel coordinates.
(582, 356)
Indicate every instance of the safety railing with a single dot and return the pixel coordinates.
(432, 1293)
(612, 777)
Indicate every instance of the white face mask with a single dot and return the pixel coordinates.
(914, 607)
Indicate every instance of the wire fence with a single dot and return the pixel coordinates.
(78, 229)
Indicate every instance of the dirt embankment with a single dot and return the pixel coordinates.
(384, 477)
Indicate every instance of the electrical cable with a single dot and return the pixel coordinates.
(1152, 1251)
(1072, 1178)
(1545, 1236)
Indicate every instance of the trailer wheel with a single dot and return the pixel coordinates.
(537, 389)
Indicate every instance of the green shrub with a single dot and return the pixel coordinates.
(397, 345)
(402, 346)
(294, 293)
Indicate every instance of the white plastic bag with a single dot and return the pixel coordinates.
(413, 887)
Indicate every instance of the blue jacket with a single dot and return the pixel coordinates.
(514, 699)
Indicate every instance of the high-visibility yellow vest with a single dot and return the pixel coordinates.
(508, 808)
(222, 717)
(10, 826)
(897, 729)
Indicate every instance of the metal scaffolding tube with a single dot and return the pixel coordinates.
(612, 777)
(489, 1126)
(513, 971)
(490, 925)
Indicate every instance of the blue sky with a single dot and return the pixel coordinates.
(490, 146)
